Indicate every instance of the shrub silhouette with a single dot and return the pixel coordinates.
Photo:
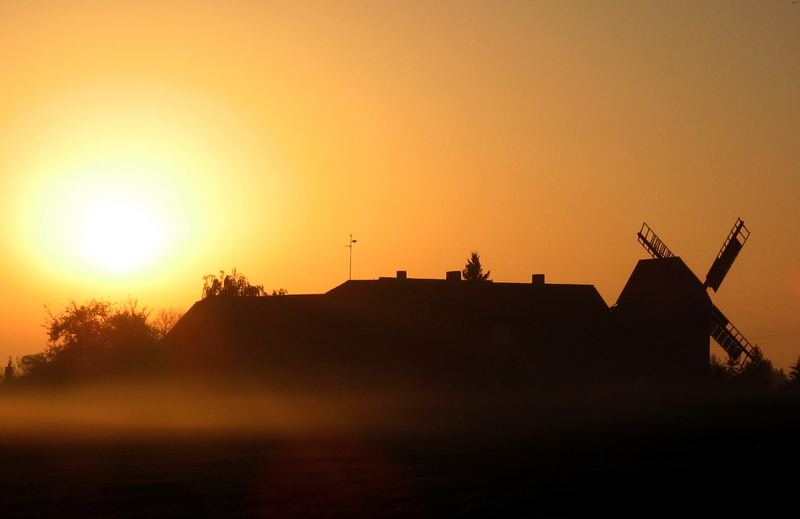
(234, 285)
(794, 373)
(231, 285)
(757, 375)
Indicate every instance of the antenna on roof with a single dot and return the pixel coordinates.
(350, 246)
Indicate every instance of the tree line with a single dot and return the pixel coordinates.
(758, 373)
(95, 339)
(99, 338)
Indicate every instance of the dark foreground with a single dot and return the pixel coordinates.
(732, 459)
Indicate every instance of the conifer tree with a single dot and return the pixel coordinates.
(473, 271)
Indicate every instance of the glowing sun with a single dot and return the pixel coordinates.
(119, 232)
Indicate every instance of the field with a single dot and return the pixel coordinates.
(546, 460)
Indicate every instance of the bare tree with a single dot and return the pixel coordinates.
(164, 321)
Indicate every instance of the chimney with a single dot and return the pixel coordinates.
(453, 275)
(401, 274)
(537, 279)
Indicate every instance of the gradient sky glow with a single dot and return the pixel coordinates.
(260, 134)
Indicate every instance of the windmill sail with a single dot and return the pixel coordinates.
(652, 243)
(730, 338)
(727, 254)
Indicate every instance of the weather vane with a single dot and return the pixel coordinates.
(350, 246)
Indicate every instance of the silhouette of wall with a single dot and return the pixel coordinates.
(663, 318)
(456, 333)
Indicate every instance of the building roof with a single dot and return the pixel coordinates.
(546, 301)
(667, 283)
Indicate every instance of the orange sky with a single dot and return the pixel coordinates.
(259, 134)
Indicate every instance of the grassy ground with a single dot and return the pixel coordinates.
(700, 458)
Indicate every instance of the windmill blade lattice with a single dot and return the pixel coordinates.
(738, 348)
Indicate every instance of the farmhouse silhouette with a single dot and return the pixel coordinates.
(455, 332)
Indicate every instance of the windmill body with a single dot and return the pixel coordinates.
(664, 306)
(662, 315)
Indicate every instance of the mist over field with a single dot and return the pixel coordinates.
(140, 409)
(245, 449)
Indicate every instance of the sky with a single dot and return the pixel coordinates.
(146, 144)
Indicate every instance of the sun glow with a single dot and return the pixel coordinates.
(121, 184)
(111, 219)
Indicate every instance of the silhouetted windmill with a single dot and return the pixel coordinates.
(722, 330)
